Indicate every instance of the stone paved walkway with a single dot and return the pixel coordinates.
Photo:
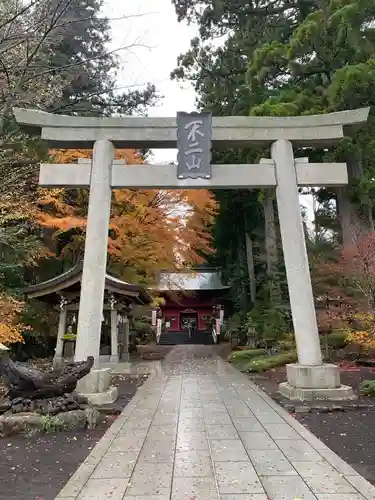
(200, 430)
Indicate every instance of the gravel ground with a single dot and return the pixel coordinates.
(350, 434)
(37, 468)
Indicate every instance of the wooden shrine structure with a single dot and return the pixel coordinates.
(191, 299)
(63, 292)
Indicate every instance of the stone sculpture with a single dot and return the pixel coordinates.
(23, 381)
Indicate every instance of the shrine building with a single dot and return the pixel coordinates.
(63, 293)
(193, 308)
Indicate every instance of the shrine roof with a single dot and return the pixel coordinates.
(69, 282)
(190, 281)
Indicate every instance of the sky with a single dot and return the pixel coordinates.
(152, 40)
(157, 39)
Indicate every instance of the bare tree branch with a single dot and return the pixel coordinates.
(19, 13)
(37, 71)
(85, 61)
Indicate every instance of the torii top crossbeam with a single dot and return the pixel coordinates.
(233, 131)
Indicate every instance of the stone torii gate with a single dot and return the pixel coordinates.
(309, 377)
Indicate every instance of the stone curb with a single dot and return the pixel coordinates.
(323, 409)
(31, 424)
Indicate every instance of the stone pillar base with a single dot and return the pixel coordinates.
(114, 359)
(57, 362)
(314, 382)
(96, 387)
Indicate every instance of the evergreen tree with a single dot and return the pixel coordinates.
(324, 65)
(81, 47)
(220, 78)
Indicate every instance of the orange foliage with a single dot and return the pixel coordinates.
(150, 230)
(60, 223)
(364, 339)
(348, 280)
(10, 327)
(363, 334)
(358, 266)
(130, 156)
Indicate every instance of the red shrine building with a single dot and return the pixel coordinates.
(193, 309)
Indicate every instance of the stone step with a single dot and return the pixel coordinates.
(180, 338)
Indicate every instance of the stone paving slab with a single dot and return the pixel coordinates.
(198, 429)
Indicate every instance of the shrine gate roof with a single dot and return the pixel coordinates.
(190, 281)
(70, 282)
(64, 131)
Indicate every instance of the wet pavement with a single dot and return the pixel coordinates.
(200, 430)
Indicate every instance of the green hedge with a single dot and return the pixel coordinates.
(338, 340)
(367, 387)
(246, 355)
(264, 363)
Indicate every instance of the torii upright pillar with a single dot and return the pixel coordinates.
(95, 258)
(310, 377)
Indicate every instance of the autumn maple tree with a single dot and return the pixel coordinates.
(149, 230)
(347, 276)
(10, 324)
(54, 58)
(20, 248)
(358, 267)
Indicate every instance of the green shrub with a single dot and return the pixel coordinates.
(50, 423)
(367, 387)
(338, 339)
(269, 321)
(234, 323)
(142, 330)
(141, 326)
(264, 363)
(246, 355)
(234, 329)
(287, 343)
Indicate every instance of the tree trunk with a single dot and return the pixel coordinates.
(370, 217)
(270, 233)
(271, 246)
(241, 264)
(250, 265)
(355, 219)
(345, 216)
